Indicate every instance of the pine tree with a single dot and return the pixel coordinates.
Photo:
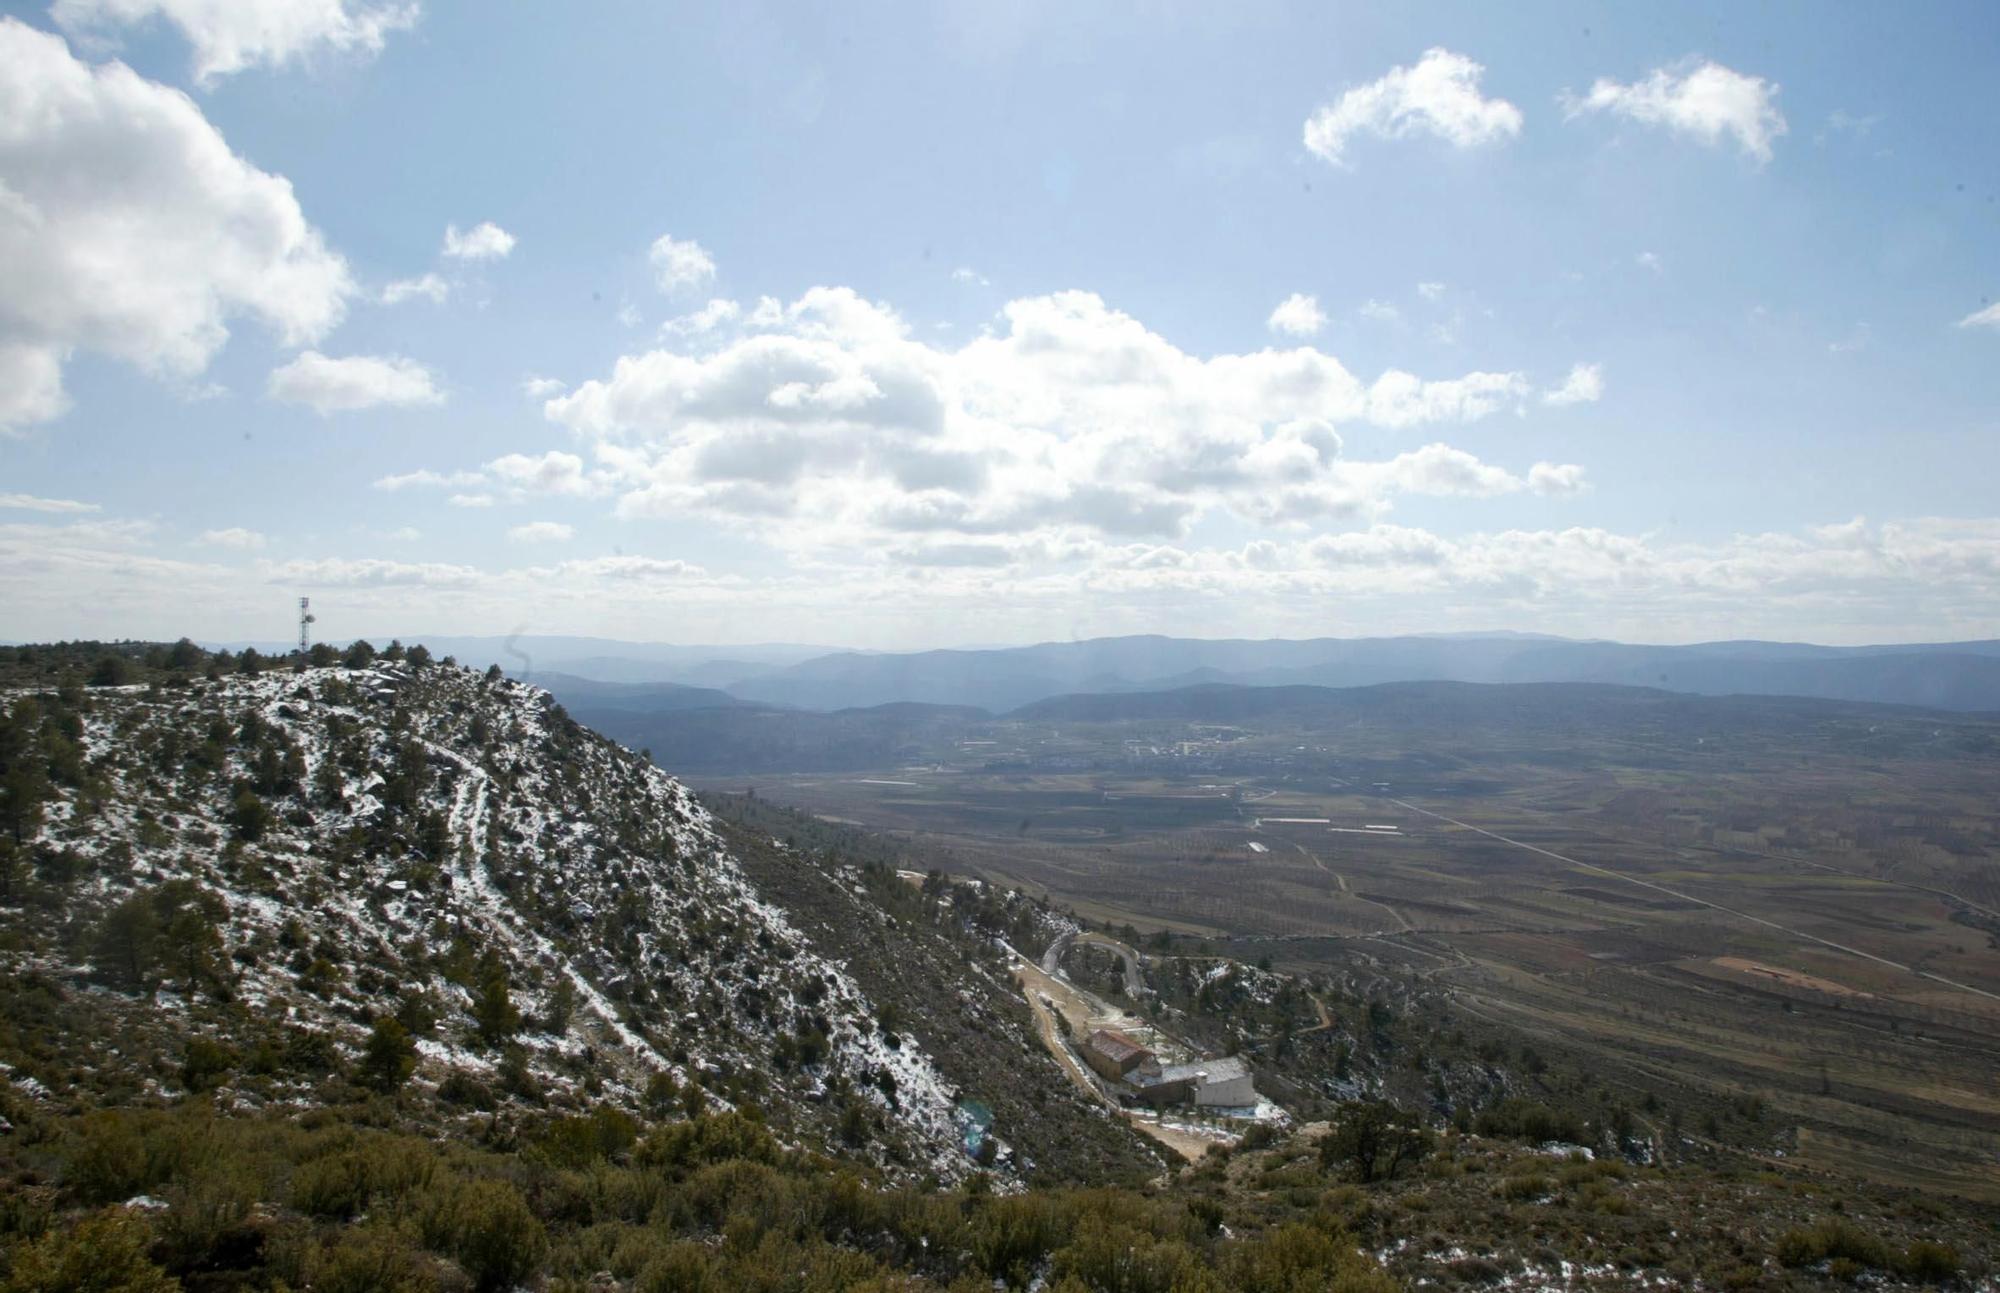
(189, 919)
(24, 774)
(128, 942)
(248, 815)
(562, 1005)
(1374, 1139)
(389, 1057)
(493, 1008)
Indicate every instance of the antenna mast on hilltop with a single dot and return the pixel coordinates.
(306, 618)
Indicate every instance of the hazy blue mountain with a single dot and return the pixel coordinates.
(750, 738)
(609, 660)
(588, 695)
(1959, 676)
(1426, 704)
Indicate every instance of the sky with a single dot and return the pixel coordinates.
(898, 326)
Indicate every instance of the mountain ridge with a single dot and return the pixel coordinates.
(751, 739)
(1961, 676)
(544, 910)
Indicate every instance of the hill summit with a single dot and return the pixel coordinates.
(307, 870)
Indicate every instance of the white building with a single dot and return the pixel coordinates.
(1213, 1084)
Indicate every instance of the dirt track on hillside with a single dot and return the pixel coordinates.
(1076, 1009)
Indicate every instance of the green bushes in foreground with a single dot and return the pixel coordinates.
(339, 1199)
(104, 1252)
(145, 1201)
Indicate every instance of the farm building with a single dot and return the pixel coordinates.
(1215, 1084)
(1114, 1055)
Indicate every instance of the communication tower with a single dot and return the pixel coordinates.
(306, 618)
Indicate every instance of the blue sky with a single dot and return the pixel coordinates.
(924, 325)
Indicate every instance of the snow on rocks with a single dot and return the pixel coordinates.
(426, 825)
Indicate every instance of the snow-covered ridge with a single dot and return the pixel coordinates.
(419, 821)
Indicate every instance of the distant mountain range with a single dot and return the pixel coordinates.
(750, 738)
(1962, 676)
(1959, 676)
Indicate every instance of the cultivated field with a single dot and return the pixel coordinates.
(1794, 905)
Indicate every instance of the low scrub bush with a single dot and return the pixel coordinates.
(1518, 1119)
(343, 1184)
(106, 1252)
(1523, 1189)
(1296, 1257)
(485, 1227)
(1835, 1239)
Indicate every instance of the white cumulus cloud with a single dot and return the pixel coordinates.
(1584, 385)
(30, 503)
(231, 35)
(431, 287)
(514, 477)
(336, 572)
(1400, 399)
(1439, 469)
(705, 320)
(235, 537)
(680, 265)
(829, 424)
(330, 385)
(427, 479)
(542, 532)
(1557, 478)
(554, 472)
(626, 569)
(484, 241)
(1439, 96)
(1986, 318)
(1298, 315)
(31, 388)
(129, 228)
(1701, 99)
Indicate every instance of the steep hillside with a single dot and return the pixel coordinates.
(278, 862)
